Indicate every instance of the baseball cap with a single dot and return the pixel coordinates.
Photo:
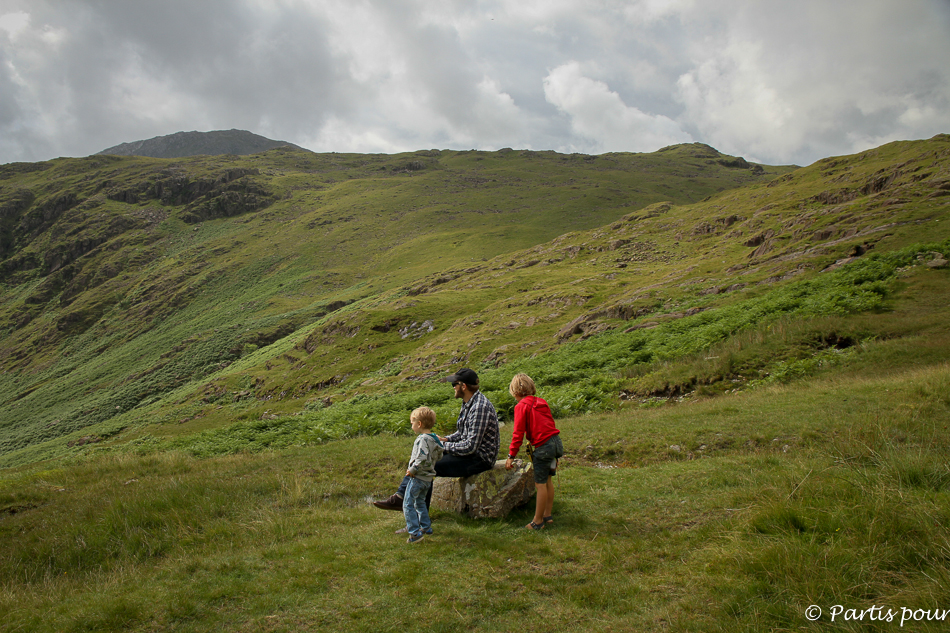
(465, 375)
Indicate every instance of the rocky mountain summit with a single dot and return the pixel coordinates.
(181, 144)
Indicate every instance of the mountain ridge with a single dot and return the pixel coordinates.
(184, 144)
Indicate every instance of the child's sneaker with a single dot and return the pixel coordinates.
(415, 538)
(403, 530)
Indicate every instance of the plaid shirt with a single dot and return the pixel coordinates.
(477, 430)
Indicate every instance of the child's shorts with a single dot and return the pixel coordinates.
(544, 459)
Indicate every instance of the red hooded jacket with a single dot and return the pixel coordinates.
(532, 418)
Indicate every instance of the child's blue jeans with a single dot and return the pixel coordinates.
(414, 507)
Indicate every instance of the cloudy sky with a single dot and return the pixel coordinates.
(775, 81)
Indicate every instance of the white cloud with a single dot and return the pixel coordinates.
(652, 11)
(735, 106)
(497, 119)
(336, 133)
(785, 82)
(13, 23)
(600, 118)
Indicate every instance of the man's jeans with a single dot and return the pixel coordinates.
(415, 508)
(450, 466)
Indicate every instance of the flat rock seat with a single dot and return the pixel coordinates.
(488, 495)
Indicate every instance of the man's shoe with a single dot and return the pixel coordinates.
(415, 538)
(393, 503)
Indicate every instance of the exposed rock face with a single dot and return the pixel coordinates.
(416, 329)
(488, 495)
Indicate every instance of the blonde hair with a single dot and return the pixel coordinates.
(521, 386)
(424, 416)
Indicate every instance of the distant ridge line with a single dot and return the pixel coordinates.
(183, 144)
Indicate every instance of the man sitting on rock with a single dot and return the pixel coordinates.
(473, 447)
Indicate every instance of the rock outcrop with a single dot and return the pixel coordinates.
(488, 495)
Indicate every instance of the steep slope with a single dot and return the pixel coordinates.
(127, 278)
(184, 144)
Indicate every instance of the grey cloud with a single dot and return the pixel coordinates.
(774, 81)
(231, 66)
(239, 65)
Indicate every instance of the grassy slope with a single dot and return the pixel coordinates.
(728, 513)
(236, 285)
(111, 299)
(730, 258)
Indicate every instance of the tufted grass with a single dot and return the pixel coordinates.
(730, 513)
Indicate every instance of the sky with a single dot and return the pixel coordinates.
(774, 81)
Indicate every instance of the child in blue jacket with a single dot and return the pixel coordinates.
(426, 451)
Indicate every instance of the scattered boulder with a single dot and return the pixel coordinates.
(838, 264)
(615, 244)
(642, 326)
(734, 162)
(761, 238)
(718, 290)
(496, 357)
(86, 439)
(586, 325)
(488, 495)
(416, 329)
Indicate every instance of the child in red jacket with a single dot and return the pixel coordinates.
(533, 418)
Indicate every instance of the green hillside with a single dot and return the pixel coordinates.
(125, 279)
(208, 366)
(164, 299)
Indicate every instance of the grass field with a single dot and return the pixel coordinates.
(725, 512)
